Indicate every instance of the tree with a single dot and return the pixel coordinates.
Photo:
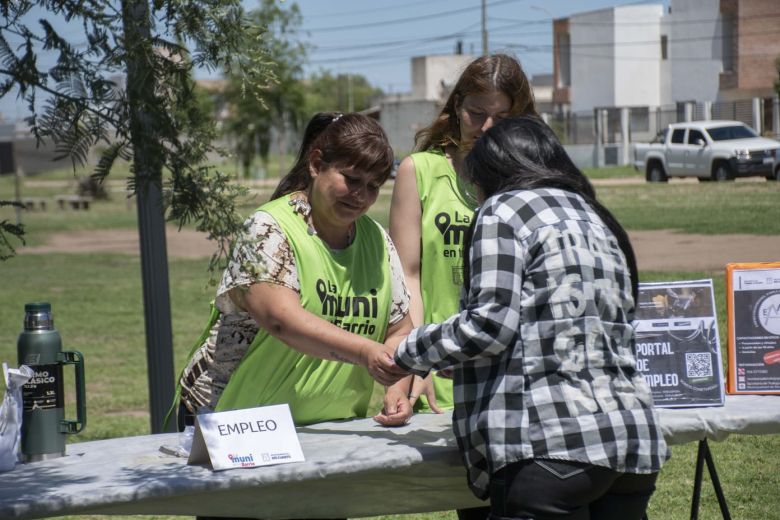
(342, 92)
(254, 121)
(126, 81)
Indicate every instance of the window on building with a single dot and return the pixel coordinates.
(564, 56)
(729, 29)
(664, 47)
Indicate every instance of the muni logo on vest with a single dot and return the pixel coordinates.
(346, 311)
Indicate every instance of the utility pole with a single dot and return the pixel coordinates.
(484, 29)
(350, 99)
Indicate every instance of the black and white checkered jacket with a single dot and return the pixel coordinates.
(543, 348)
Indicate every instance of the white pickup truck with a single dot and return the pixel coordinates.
(708, 150)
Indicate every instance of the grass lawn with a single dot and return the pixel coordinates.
(612, 172)
(97, 303)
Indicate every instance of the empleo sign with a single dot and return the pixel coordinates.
(246, 438)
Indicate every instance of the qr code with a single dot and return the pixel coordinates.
(698, 364)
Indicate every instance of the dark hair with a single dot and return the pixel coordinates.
(345, 140)
(523, 153)
(494, 73)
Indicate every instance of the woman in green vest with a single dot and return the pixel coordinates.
(313, 289)
(433, 203)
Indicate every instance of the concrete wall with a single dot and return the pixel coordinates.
(592, 60)
(430, 73)
(638, 55)
(695, 49)
(402, 119)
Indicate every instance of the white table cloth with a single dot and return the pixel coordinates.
(352, 469)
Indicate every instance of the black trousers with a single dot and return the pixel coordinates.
(544, 489)
(474, 513)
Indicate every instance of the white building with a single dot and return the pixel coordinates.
(615, 57)
(623, 73)
(637, 55)
(696, 42)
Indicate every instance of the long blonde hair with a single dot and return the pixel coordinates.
(494, 73)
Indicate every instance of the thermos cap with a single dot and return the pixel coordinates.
(37, 316)
(37, 307)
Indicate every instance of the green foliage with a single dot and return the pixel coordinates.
(289, 101)
(253, 119)
(342, 93)
(154, 116)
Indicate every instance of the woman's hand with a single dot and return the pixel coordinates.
(397, 409)
(424, 386)
(379, 362)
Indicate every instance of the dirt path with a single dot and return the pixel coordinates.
(668, 251)
(181, 244)
(656, 250)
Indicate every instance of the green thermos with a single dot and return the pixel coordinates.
(43, 418)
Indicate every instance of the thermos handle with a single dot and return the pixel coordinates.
(75, 357)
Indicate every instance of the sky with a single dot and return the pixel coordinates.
(378, 38)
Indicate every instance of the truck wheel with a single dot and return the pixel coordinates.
(722, 173)
(775, 176)
(656, 173)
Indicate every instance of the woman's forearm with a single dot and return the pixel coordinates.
(301, 330)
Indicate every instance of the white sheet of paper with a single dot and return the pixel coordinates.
(246, 438)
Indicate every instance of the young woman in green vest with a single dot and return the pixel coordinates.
(433, 203)
(313, 290)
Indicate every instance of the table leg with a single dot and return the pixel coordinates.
(705, 456)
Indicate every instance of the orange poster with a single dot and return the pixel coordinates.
(753, 315)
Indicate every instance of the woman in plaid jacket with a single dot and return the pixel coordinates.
(552, 418)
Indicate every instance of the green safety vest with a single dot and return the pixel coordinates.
(352, 289)
(447, 212)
